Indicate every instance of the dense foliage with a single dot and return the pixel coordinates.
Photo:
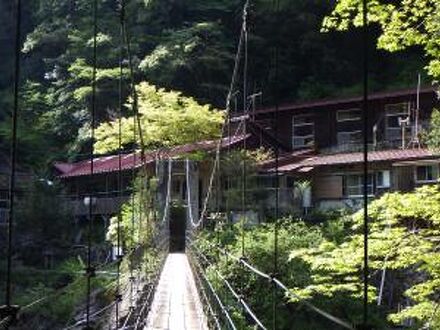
(43, 229)
(323, 263)
(183, 55)
(403, 24)
(136, 220)
(187, 46)
(432, 136)
(166, 119)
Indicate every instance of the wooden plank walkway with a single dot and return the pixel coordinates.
(176, 304)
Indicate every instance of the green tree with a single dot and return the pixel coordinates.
(259, 251)
(403, 242)
(432, 136)
(167, 119)
(42, 227)
(403, 24)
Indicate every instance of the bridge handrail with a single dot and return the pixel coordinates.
(203, 291)
(152, 287)
(231, 289)
(281, 285)
(217, 298)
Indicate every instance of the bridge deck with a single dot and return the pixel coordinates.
(176, 304)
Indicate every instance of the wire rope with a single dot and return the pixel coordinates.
(244, 209)
(134, 92)
(118, 295)
(90, 271)
(202, 290)
(4, 323)
(275, 270)
(365, 36)
(188, 192)
(227, 111)
(102, 310)
(231, 289)
(9, 308)
(168, 194)
(133, 211)
(147, 299)
(216, 296)
(282, 286)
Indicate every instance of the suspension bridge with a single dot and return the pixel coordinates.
(180, 293)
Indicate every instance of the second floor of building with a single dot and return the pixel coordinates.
(395, 120)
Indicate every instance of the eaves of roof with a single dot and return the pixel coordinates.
(113, 163)
(396, 155)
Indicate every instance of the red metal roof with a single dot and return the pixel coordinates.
(333, 101)
(358, 157)
(109, 164)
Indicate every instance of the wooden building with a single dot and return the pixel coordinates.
(103, 185)
(318, 141)
(326, 140)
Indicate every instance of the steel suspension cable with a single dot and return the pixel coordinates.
(366, 271)
(280, 285)
(227, 111)
(239, 297)
(244, 155)
(134, 94)
(168, 194)
(197, 271)
(118, 295)
(150, 293)
(216, 296)
(90, 271)
(276, 5)
(244, 163)
(133, 216)
(9, 309)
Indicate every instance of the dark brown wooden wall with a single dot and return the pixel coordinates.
(325, 117)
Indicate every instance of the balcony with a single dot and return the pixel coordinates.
(104, 205)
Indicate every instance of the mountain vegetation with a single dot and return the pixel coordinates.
(402, 25)
(166, 119)
(182, 53)
(185, 46)
(322, 263)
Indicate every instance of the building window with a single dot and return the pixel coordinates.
(394, 114)
(354, 137)
(303, 131)
(426, 173)
(383, 179)
(267, 181)
(353, 185)
(349, 126)
(3, 216)
(349, 115)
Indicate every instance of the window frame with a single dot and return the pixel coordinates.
(3, 216)
(357, 131)
(349, 119)
(403, 114)
(359, 185)
(435, 173)
(383, 186)
(267, 181)
(304, 137)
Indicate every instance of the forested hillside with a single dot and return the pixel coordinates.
(183, 45)
(88, 247)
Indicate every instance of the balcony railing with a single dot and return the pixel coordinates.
(103, 206)
(359, 147)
